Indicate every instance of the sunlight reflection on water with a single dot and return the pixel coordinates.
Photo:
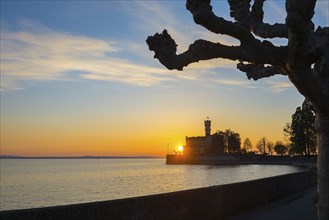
(27, 183)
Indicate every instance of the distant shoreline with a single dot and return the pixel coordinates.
(79, 157)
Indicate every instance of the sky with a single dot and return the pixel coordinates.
(77, 79)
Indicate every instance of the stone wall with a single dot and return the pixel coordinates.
(238, 159)
(216, 202)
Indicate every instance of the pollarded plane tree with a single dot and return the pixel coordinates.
(304, 60)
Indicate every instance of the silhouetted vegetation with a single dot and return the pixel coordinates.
(228, 140)
(247, 145)
(301, 131)
(261, 145)
(280, 149)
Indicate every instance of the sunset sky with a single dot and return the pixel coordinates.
(77, 79)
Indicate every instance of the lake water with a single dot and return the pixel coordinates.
(30, 183)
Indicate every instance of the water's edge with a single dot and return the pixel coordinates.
(38, 183)
(240, 159)
(215, 202)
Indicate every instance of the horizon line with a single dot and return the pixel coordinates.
(76, 157)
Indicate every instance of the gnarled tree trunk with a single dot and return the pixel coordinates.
(322, 125)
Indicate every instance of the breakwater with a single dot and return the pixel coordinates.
(238, 159)
(216, 202)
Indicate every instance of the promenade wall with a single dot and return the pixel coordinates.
(215, 202)
(237, 159)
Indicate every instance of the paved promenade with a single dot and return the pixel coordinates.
(296, 207)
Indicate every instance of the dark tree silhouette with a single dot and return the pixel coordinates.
(302, 130)
(228, 140)
(304, 60)
(270, 147)
(280, 149)
(261, 145)
(247, 145)
(287, 132)
(233, 141)
(218, 142)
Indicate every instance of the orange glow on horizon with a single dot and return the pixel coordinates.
(106, 138)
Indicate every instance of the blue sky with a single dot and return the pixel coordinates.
(80, 73)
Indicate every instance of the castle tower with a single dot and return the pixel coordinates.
(207, 127)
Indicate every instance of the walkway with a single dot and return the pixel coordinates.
(296, 207)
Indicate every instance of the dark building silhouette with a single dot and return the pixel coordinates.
(208, 144)
(207, 127)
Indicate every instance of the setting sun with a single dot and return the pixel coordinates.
(180, 149)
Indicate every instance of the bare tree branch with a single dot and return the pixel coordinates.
(250, 50)
(255, 72)
(203, 15)
(253, 20)
(322, 58)
(257, 52)
(240, 12)
(165, 51)
(265, 30)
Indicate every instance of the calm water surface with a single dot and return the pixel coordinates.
(29, 183)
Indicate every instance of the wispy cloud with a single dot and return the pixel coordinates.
(276, 84)
(236, 82)
(42, 54)
(279, 85)
(153, 17)
(38, 53)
